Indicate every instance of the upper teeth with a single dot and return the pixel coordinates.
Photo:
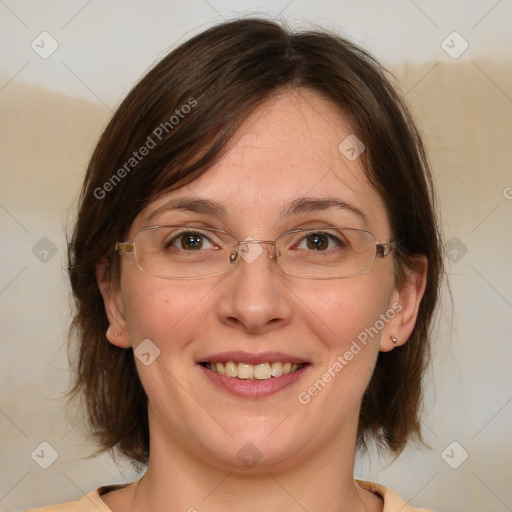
(260, 371)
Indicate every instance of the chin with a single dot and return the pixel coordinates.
(260, 447)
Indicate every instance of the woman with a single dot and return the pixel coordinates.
(256, 262)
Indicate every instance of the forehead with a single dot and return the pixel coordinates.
(288, 149)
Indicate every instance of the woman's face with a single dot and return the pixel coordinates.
(287, 152)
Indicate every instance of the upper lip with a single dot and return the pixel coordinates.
(251, 358)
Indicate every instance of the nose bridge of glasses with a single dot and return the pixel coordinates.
(250, 240)
(250, 249)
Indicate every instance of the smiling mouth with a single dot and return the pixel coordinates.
(246, 371)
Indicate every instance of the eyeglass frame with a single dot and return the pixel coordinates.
(382, 249)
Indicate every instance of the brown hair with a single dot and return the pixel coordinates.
(223, 74)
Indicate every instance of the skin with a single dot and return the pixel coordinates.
(286, 150)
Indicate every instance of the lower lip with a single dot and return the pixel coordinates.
(254, 388)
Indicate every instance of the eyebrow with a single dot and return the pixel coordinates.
(295, 207)
(314, 204)
(205, 206)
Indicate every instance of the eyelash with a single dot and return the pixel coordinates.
(338, 241)
(187, 232)
(330, 237)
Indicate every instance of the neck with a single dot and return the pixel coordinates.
(176, 480)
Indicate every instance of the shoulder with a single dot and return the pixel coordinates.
(91, 502)
(392, 501)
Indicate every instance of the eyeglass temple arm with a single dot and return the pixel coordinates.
(124, 247)
(384, 249)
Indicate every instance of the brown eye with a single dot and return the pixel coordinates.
(188, 241)
(191, 241)
(317, 242)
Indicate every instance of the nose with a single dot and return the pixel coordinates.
(254, 295)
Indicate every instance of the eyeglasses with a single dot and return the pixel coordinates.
(185, 252)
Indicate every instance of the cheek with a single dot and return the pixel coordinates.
(350, 344)
(163, 310)
(346, 321)
(346, 310)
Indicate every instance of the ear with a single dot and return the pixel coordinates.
(405, 302)
(117, 332)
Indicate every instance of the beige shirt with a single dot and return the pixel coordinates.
(93, 503)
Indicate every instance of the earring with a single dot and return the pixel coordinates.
(117, 333)
(394, 340)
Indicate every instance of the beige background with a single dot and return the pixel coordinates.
(52, 111)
